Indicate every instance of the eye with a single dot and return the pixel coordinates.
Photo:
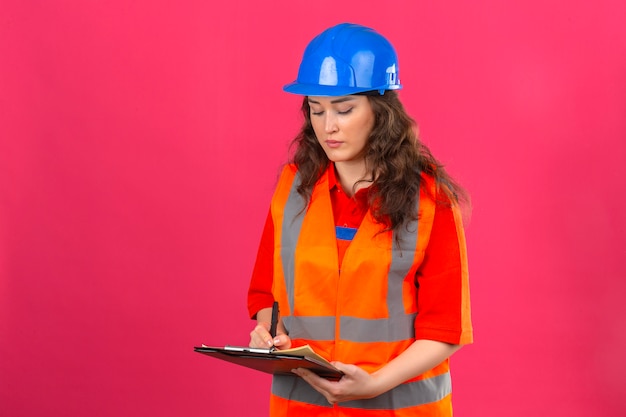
(316, 113)
(345, 111)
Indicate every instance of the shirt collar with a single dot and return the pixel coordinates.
(333, 182)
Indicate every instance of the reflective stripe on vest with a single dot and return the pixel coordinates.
(412, 394)
(290, 233)
(352, 328)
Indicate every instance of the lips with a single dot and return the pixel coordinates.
(333, 143)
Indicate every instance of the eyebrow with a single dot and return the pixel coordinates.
(338, 100)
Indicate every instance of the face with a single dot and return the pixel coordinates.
(342, 126)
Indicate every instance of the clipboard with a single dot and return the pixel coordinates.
(274, 362)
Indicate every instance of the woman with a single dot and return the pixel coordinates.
(363, 248)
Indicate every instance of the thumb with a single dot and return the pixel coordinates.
(341, 366)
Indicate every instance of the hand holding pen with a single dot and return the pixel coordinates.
(269, 332)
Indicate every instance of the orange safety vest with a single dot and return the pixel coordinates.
(362, 313)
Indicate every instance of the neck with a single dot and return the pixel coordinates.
(350, 173)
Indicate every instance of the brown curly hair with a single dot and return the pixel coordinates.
(395, 157)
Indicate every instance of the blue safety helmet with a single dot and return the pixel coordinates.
(346, 59)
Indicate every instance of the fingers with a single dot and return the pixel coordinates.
(355, 383)
(260, 336)
(282, 341)
(321, 385)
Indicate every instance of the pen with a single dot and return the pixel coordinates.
(274, 322)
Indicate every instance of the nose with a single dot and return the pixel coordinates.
(330, 123)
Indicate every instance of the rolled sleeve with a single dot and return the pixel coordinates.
(443, 282)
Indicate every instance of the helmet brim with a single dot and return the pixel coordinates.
(330, 90)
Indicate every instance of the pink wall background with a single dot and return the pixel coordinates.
(139, 145)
